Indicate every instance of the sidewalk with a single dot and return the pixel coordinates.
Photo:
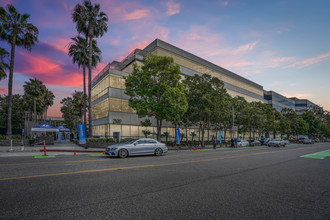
(65, 148)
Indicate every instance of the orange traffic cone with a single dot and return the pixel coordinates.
(75, 154)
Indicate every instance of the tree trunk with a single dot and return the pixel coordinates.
(159, 129)
(90, 88)
(35, 108)
(84, 95)
(10, 88)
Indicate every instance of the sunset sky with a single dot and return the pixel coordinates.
(283, 45)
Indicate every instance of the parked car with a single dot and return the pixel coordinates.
(254, 143)
(308, 141)
(276, 143)
(143, 146)
(242, 143)
(301, 140)
(264, 141)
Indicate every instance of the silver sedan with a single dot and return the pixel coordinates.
(143, 146)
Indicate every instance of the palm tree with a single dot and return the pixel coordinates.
(3, 65)
(37, 95)
(15, 29)
(92, 23)
(80, 53)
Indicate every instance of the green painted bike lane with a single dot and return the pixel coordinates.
(318, 155)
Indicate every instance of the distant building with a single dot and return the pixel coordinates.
(302, 105)
(278, 101)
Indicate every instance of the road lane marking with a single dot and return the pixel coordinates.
(318, 155)
(141, 166)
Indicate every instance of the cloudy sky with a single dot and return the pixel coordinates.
(283, 45)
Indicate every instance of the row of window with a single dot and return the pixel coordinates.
(110, 80)
(101, 109)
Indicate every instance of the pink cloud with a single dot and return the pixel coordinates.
(308, 62)
(136, 14)
(172, 8)
(299, 95)
(61, 44)
(48, 71)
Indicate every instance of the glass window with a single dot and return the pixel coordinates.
(140, 142)
(151, 142)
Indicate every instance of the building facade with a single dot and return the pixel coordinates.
(111, 112)
(278, 101)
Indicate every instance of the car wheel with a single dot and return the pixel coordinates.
(123, 153)
(158, 152)
(284, 145)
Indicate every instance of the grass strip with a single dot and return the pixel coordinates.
(97, 155)
(43, 156)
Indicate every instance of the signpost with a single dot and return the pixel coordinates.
(82, 134)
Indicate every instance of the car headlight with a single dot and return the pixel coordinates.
(114, 148)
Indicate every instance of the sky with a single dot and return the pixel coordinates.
(283, 45)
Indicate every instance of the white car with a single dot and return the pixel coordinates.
(243, 143)
(143, 146)
(276, 143)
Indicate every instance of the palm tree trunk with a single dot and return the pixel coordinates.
(84, 95)
(90, 88)
(10, 88)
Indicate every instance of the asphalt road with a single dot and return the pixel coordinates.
(252, 183)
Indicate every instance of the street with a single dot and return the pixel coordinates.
(243, 183)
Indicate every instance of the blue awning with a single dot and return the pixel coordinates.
(44, 126)
(62, 128)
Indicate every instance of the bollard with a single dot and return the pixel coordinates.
(75, 154)
(45, 148)
(11, 145)
(177, 150)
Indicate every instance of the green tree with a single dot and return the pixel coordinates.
(3, 64)
(155, 90)
(205, 95)
(93, 24)
(15, 29)
(166, 135)
(313, 123)
(291, 116)
(72, 110)
(302, 126)
(37, 98)
(146, 123)
(79, 52)
(18, 111)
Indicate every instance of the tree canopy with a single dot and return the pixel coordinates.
(155, 90)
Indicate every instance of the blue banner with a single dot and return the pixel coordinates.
(81, 134)
(220, 137)
(177, 136)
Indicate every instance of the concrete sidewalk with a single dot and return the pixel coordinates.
(65, 148)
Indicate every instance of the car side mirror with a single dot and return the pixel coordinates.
(135, 144)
